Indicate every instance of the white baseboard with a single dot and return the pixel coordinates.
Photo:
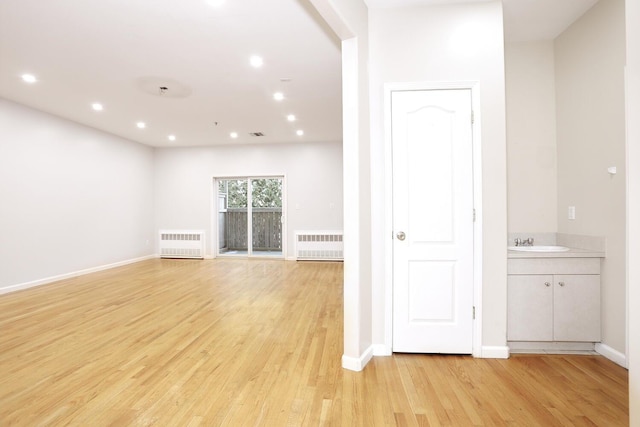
(357, 363)
(495, 352)
(39, 282)
(612, 354)
(550, 347)
(381, 350)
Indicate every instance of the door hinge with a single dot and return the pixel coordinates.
(473, 118)
(474, 214)
(474, 312)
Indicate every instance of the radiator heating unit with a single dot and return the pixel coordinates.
(319, 246)
(182, 244)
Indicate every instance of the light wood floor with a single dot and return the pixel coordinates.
(237, 342)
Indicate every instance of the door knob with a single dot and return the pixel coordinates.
(401, 235)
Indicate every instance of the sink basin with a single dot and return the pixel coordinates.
(538, 248)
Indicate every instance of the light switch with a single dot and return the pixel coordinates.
(571, 213)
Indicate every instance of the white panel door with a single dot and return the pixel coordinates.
(432, 221)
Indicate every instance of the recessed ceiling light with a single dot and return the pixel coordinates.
(29, 78)
(299, 132)
(278, 96)
(291, 118)
(141, 125)
(97, 106)
(172, 137)
(233, 135)
(256, 61)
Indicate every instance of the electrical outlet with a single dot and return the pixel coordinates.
(571, 213)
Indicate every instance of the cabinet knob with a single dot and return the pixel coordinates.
(561, 283)
(547, 284)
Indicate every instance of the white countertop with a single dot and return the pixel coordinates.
(571, 253)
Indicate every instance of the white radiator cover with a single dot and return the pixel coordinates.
(182, 244)
(319, 246)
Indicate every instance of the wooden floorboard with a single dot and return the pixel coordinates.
(258, 342)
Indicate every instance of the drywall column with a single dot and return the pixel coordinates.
(350, 22)
(633, 206)
(353, 321)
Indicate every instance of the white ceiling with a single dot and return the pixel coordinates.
(120, 52)
(83, 51)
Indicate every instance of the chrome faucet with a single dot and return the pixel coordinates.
(524, 242)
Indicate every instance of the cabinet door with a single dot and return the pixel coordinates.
(576, 309)
(529, 308)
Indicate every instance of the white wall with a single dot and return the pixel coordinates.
(531, 137)
(633, 207)
(446, 43)
(313, 173)
(590, 58)
(72, 197)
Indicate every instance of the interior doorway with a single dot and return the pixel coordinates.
(250, 220)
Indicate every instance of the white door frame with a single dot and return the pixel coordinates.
(477, 202)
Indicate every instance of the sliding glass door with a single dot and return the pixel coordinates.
(232, 216)
(266, 216)
(249, 216)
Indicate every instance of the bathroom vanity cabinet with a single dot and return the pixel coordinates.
(553, 299)
(554, 308)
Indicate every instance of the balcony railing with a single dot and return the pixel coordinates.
(266, 229)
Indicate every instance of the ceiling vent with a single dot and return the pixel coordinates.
(256, 133)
